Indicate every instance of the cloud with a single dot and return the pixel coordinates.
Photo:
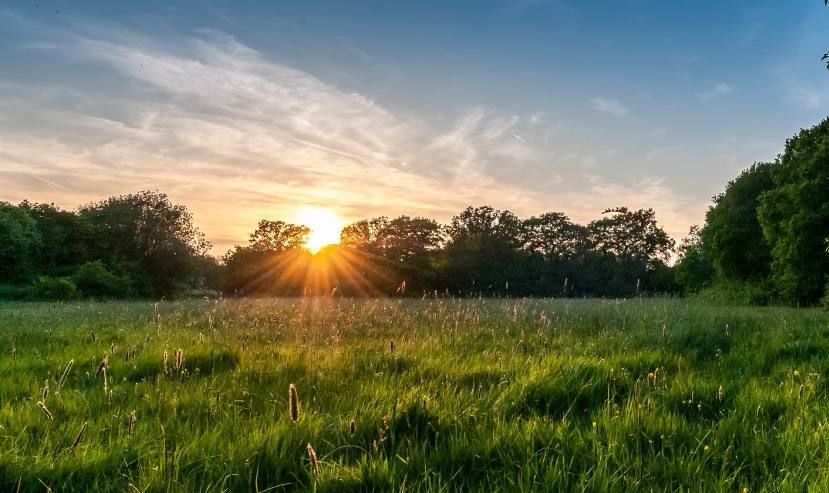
(655, 153)
(720, 89)
(237, 137)
(609, 106)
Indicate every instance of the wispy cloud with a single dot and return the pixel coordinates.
(720, 89)
(238, 137)
(609, 106)
(661, 151)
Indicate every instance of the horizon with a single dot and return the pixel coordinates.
(243, 112)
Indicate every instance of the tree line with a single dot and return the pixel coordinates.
(764, 240)
(766, 237)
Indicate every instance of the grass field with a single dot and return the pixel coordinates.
(480, 395)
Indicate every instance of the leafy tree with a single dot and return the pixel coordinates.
(146, 237)
(555, 245)
(795, 216)
(404, 238)
(274, 262)
(65, 238)
(628, 248)
(385, 253)
(693, 268)
(733, 237)
(484, 254)
(19, 242)
(364, 235)
(631, 236)
(553, 236)
(278, 236)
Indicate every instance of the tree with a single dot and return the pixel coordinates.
(631, 236)
(733, 238)
(405, 238)
(364, 235)
(629, 249)
(693, 268)
(385, 252)
(65, 238)
(794, 214)
(278, 236)
(484, 253)
(19, 241)
(146, 237)
(275, 261)
(552, 235)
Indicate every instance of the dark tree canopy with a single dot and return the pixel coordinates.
(631, 236)
(733, 236)
(19, 242)
(147, 237)
(278, 236)
(694, 270)
(795, 216)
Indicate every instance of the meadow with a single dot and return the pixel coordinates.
(413, 395)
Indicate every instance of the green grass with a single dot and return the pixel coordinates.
(479, 395)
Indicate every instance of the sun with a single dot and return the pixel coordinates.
(325, 227)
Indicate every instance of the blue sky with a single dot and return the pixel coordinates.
(247, 110)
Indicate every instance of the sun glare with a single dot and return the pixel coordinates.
(325, 227)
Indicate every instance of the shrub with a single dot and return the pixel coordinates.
(52, 289)
(93, 279)
(738, 293)
(12, 292)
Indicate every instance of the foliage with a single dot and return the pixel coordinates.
(93, 279)
(795, 216)
(277, 237)
(273, 263)
(483, 251)
(19, 240)
(733, 237)
(478, 395)
(146, 237)
(389, 251)
(66, 238)
(52, 289)
(693, 268)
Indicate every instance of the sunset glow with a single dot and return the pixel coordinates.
(325, 227)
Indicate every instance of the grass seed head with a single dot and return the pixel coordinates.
(78, 438)
(45, 410)
(179, 363)
(65, 374)
(132, 421)
(102, 365)
(313, 461)
(293, 403)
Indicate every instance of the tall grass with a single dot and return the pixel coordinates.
(472, 395)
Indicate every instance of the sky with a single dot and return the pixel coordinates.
(246, 110)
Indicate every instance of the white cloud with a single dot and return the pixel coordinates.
(660, 151)
(238, 137)
(609, 106)
(720, 89)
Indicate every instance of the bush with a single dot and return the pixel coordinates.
(52, 289)
(11, 292)
(93, 279)
(738, 293)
